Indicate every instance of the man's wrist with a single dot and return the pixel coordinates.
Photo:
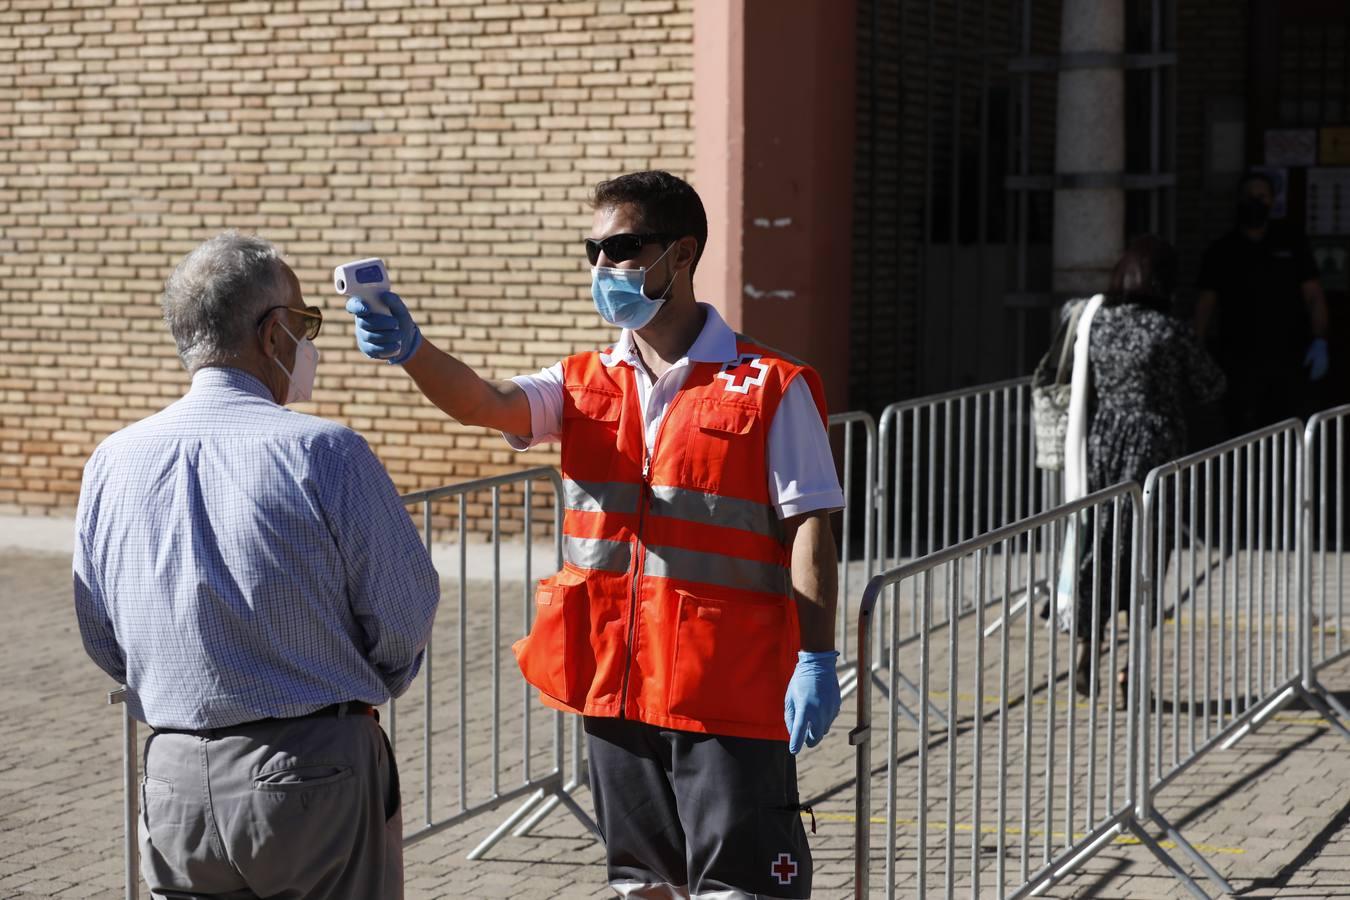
(414, 345)
(817, 655)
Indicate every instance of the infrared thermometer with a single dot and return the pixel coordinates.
(364, 278)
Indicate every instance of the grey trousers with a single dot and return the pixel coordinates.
(303, 808)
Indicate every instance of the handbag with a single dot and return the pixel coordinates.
(1051, 389)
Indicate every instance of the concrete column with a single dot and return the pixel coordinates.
(1089, 146)
(773, 162)
(719, 149)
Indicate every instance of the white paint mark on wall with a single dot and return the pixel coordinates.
(755, 293)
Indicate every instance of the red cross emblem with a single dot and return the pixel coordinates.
(784, 870)
(751, 380)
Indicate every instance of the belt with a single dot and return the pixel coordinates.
(332, 711)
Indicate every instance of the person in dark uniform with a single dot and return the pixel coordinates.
(1262, 311)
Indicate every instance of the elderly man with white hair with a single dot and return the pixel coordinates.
(251, 574)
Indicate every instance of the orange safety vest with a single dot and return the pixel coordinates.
(675, 605)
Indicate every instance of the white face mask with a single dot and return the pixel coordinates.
(301, 377)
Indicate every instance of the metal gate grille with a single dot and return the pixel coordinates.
(955, 177)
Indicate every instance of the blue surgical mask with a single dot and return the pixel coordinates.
(619, 298)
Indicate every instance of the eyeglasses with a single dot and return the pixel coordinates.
(313, 318)
(622, 247)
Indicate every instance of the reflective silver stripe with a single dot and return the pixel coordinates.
(715, 568)
(714, 509)
(595, 553)
(601, 496)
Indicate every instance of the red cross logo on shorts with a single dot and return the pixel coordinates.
(784, 870)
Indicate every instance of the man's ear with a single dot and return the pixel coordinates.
(267, 337)
(686, 249)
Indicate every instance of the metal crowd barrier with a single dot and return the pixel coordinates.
(1224, 576)
(1002, 408)
(539, 789)
(1326, 519)
(1237, 556)
(953, 466)
(989, 486)
(130, 797)
(849, 423)
(1063, 779)
(956, 465)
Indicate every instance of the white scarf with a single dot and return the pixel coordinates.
(1075, 461)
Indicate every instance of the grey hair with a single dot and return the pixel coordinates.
(216, 295)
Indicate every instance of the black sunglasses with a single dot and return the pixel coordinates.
(313, 318)
(623, 247)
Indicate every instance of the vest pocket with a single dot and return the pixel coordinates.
(590, 429)
(556, 657)
(718, 429)
(729, 660)
(583, 402)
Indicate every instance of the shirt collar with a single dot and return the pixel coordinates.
(216, 378)
(715, 343)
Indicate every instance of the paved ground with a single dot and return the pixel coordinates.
(1273, 815)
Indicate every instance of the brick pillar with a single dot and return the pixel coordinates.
(773, 162)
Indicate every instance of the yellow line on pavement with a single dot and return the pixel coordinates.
(1122, 839)
(1242, 623)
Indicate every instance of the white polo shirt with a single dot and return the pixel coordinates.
(802, 476)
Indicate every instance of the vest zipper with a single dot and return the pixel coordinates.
(640, 551)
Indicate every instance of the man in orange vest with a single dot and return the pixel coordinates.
(699, 587)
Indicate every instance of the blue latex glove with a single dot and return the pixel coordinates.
(812, 699)
(394, 337)
(1316, 361)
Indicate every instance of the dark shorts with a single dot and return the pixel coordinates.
(686, 814)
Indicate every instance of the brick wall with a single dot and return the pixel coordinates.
(457, 139)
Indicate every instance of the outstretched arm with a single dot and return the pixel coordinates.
(459, 391)
(464, 395)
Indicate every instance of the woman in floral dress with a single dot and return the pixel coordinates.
(1146, 367)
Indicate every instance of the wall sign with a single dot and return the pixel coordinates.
(1334, 146)
(1291, 147)
(1329, 201)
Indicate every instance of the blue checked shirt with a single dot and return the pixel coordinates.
(236, 560)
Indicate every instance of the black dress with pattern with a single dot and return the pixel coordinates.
(1146, 367)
